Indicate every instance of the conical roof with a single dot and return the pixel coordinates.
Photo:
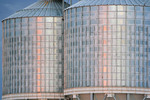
(41, 8)
(111, 2)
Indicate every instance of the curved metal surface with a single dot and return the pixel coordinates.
(35, 68)
(31, 96)
(113, 90)
(41, 8)
(111, 2)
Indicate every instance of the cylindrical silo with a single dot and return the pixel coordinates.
(106, 50)
(33, 52)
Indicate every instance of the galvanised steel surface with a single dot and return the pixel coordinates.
(107, 44)
(41, 8)
(33, 49)
(111, 2)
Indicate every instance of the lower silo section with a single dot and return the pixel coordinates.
(32, 58)
(106, 51)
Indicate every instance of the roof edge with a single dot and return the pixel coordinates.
(85, 3)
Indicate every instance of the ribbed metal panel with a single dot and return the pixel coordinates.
(41, 8)
(147, 3)
(106, 45)
(112, 2)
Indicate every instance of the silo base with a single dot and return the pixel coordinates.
(34, 96)
(98, 96)
(108, 93)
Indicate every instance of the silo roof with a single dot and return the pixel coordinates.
(111, 2)
(41, 8)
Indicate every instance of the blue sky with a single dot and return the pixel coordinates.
(8, 7)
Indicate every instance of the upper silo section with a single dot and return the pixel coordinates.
(107, 47)
(33, 52)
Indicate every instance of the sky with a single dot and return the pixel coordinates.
(8, 7)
